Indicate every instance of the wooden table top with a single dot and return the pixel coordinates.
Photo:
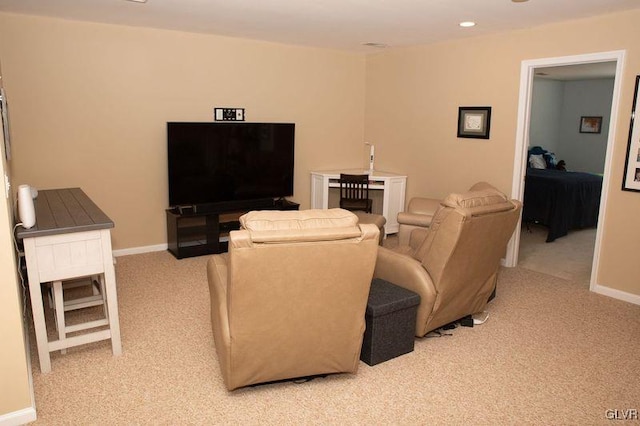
(61, 211)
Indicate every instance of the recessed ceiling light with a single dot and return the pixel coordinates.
(374, 44)
(138, 1)
(467, 24)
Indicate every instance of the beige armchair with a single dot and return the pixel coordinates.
(288, 300)
(419, 214)
(453, 264)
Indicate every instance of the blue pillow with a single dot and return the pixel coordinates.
(550, 159)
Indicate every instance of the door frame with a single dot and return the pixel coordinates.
(527, 71)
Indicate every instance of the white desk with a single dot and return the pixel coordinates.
(392, 186)
(71, 239)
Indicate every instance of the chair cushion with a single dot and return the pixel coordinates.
(270, 226)
(485, 201)
(272, 220)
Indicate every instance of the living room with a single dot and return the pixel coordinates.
(89, 104)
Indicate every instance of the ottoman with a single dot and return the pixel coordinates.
(391, 322)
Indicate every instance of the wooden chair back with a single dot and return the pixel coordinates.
(354, 192)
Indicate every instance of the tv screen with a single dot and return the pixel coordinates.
(223, 162)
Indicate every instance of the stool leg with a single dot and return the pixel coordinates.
(58, 298)
(50, 297)
(52, 303)
(104, 296)
(94, 288)
(114, 323)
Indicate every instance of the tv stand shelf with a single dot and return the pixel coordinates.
(191, 233)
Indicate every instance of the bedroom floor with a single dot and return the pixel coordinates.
(569, 257)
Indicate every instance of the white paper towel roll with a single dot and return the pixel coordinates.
(25, 207)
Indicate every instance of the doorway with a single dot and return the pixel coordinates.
(528, 70)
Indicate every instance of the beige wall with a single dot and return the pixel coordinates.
(89, 103)
(15, 394)
(412, 102)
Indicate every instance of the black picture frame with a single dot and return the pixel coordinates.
(474, 122)
(631, 178)
(590, 124)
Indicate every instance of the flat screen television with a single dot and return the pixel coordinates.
(222, 164)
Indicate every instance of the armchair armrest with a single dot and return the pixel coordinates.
(419, 214)
(413, 219)
(406, 272)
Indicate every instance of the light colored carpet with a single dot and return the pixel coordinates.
(569, 257)
(550, 353)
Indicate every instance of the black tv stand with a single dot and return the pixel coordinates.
(195, 230)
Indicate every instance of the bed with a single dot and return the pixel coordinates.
(561, 200)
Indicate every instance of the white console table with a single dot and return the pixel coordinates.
(391, 185)
(71, 239)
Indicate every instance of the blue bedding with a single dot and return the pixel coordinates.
(561, 200)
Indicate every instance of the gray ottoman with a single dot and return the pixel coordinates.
(391, 322)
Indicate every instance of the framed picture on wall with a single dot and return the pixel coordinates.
(631, 179)
(590, 124)
(474, 122)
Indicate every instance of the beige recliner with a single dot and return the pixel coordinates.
(453, 264)
(420, 212)
(289, 298)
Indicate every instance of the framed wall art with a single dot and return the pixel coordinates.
(631, 179)
(474, 122)
(590, 124)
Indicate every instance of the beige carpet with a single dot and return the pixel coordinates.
(550, 353)
(569, 257)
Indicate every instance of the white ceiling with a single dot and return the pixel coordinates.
(577, 72)
(336, 24)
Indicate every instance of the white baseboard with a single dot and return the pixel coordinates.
(149, 249)
(20, 417)
(139, 250)
(616, 294)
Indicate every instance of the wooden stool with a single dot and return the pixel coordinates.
(61, 305)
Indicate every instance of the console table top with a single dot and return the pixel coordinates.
(60, 211)
(373, 174)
